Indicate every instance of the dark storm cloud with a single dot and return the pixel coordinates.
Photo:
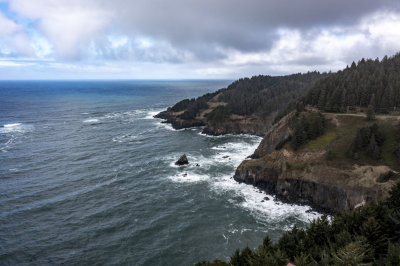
(242, 25)
(193, 38)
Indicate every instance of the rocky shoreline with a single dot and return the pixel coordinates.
(299, 177)
(307, 187)
(235, 126)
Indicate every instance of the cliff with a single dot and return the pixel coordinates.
(247, 106)
(232, 124)
(320, 173)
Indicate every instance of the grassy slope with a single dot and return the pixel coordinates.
(340, 133)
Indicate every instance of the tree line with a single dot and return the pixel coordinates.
(259, 95)
(368, 82)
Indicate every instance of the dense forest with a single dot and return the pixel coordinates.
(370, 85)
(369, 82)
(366, 236)
(266, 94)
(259, 95)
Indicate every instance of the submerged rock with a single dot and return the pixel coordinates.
(182, 160)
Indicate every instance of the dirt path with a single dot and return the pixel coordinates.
(380, 117)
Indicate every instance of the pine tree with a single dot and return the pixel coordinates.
(370, 113)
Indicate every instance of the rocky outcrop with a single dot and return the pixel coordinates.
(277, 135)
(182, 160)
(176, 122)
(307, 179)
(234, 125)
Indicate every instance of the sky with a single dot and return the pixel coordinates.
(191, 39)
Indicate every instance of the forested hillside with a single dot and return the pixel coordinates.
(265, 94)
(369, 82)
(245, 106)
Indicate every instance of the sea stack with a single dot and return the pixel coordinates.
(182, 160)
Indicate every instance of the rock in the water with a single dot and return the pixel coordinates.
(197, 164)
(226, 156)
(182, 160)
(266, 198)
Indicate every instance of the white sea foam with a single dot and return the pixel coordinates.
(12, 125)
(124, 138)
(189, 177)
(254, 201)
(151, 113)
(167, 126)
(211, 136)
(15, 127)
(131, 137)
(244, 196)
(91, 120)
(234, 153)
(128, 116)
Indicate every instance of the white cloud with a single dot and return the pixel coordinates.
(198, 41)
(7, 26)
(383, 31)
(69, 25)
(42, 47)
(118, 41)
(325, 49)
(13, 38)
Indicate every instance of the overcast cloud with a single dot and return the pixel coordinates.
(51, 39)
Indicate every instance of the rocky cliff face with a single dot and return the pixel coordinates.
(307, 177)
(234, 125)
(278, 134)
(242, 126)
(176, 122)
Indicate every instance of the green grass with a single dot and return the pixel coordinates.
(321, 142)
(337, 140)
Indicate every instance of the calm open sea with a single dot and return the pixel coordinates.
(87, 176)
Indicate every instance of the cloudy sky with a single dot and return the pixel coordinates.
(175, 39)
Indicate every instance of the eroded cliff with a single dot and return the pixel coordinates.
(312, 175)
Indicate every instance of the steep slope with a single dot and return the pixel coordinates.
(247, 106)
(323, 172)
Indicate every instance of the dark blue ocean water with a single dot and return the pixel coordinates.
(87, 178)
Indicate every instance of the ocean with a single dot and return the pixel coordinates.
(87, 177)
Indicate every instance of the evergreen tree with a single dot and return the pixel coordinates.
(370, 113)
